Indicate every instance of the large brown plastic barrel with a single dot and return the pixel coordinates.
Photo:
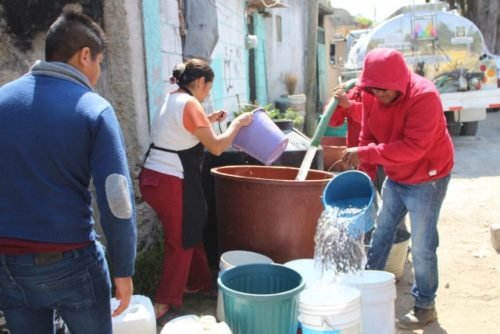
(264, 210)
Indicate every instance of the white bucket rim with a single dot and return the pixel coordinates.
(311, 274)
(227, 259)
(345, 295)
(373, 278)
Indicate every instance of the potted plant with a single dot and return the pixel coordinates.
(296, 101)
(284, 120)
(290, 80)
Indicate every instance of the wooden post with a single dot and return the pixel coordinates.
(311, 66)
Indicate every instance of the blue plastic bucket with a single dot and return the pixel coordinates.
(261, 298)
(262, 139)
(353, 194)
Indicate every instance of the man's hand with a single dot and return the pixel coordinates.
(339, 93)
(124, 289)
(350, 157)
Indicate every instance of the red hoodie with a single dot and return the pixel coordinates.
(353, 115)
(408, 137)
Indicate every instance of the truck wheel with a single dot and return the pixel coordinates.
(454, 128)
(469, 129)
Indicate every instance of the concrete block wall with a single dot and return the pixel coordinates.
(230, 58)
(287, 55)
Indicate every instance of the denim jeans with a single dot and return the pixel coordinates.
(78, 286)
(422, 202)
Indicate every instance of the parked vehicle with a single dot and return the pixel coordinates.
(445, 48)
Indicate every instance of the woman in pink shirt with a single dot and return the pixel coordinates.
(170, 182)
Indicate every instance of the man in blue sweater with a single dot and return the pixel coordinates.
(56, 134)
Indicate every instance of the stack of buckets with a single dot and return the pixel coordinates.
(325, 307)
(378, 293)
(362, 303)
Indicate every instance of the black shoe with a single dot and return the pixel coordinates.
(417, 318)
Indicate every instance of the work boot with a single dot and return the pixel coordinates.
(417, 318)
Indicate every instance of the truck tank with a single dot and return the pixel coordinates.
(442, 46)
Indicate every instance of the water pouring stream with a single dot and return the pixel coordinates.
(320, 131)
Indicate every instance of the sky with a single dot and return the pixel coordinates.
(375, 10)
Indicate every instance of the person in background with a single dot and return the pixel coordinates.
(56, 134)
(404, 130)
(349, 108)
(170, 182)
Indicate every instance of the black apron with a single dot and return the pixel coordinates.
(194, 207)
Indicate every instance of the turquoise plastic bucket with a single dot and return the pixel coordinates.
(353, 193)
(261, 298)
(336, 131)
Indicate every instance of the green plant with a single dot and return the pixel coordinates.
(148, 270)
(289, 114)
(274, 114)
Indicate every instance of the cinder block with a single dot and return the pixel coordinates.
(495, 236)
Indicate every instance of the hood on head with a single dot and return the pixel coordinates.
(385, 68)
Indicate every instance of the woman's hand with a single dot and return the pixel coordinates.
(244, 119)
(216, 144)
(217, 116)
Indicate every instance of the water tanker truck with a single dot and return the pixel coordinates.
(444, 47)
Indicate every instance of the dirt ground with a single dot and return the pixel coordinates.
(469, 268)
(469, 294)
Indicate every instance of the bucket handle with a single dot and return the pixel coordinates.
(334, 164)
(325, 321)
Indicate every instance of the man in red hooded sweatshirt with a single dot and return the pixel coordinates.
(404, 130)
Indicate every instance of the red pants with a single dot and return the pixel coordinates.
(182, 267)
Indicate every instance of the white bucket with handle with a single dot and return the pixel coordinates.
(330, 310)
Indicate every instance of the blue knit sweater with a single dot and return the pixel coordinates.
(55, 135)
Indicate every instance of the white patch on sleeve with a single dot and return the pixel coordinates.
(118, 196)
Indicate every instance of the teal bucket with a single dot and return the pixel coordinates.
(353, 194)
(261, 298)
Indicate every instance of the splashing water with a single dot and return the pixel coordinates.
(337, 249)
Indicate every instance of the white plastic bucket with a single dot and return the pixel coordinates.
(328, 310)
(232, 259)
(139, 317)
(311, 274)
(297, 102)
(397, 256)
(378, 293)
(192, 324)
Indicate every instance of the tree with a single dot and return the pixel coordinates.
(486, 15)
